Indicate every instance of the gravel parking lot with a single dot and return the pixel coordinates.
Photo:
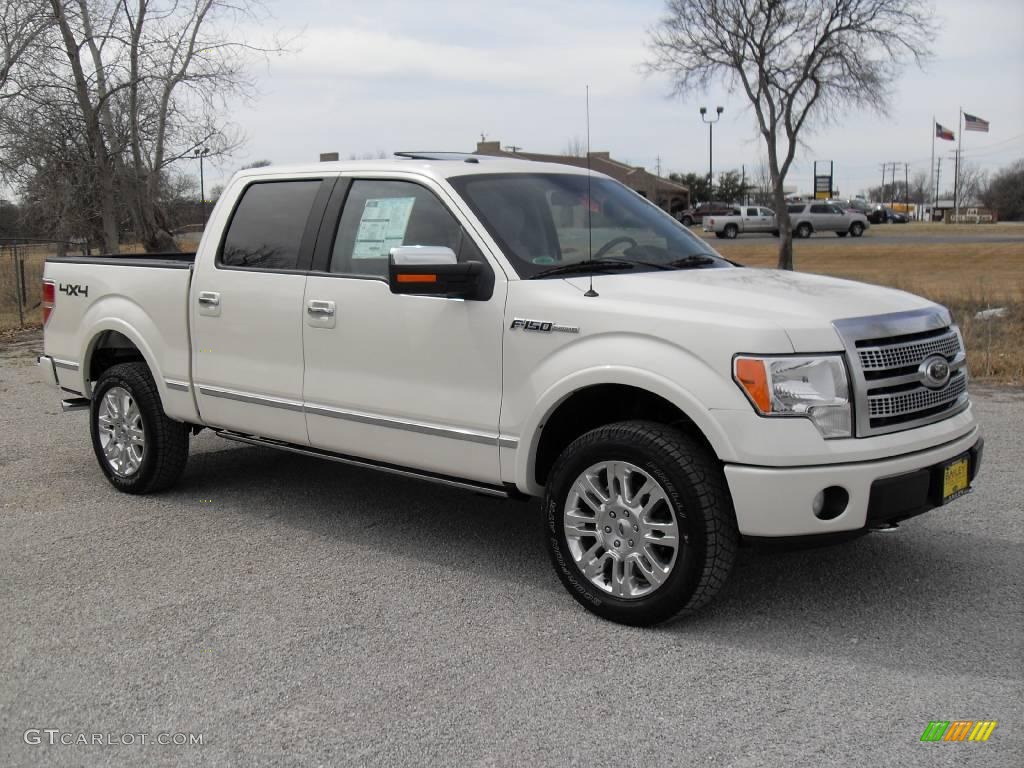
(298, 612)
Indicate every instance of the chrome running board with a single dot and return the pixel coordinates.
(467, 485)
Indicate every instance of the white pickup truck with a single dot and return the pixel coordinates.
(523, 330)
(744, 220)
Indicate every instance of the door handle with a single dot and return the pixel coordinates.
(209, 298)
(321, 308)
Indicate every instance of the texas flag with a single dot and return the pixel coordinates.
(972, 123)
(943, 133)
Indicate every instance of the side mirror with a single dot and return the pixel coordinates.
(428, 270)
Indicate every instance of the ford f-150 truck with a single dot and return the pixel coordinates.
(523, 329)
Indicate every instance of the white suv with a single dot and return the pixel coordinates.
(808, 218)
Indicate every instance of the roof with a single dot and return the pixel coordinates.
(438, 169)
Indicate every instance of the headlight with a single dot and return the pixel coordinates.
(815, 388)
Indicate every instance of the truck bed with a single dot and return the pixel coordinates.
(155, 260)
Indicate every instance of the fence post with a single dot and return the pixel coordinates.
(19, 279)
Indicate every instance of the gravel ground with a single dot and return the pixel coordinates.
(297, 612)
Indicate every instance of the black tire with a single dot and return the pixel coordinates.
(804, 231)
(857, 229)
(687, 221)
(841, 234)
(775, 233)
(695, 485)
(719, 235)
(731, 231)
(166, 441)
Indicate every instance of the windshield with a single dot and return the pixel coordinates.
(540, 221)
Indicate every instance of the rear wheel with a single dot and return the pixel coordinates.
(139, 448)
(857, 229)
(804, 230)
(640, 522)
(731, 230)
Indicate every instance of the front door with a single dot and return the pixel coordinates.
(246, 311)
(408, 380)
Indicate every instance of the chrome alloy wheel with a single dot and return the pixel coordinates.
(621, 529)
(120, 432)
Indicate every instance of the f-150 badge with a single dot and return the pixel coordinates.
(542, 326)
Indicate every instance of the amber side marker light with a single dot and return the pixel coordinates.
(752, 376)
(417, 278)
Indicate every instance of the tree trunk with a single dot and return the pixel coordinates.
(785, 228)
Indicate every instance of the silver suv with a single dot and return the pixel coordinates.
(808, 218)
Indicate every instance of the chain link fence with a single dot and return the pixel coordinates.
(21, 275)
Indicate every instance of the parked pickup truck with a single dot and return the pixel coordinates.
(744, 220)
(521, 330)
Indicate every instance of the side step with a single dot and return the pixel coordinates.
(75, 404)
(468, 485)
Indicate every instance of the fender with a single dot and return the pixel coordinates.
(107, 314)
(640, 378)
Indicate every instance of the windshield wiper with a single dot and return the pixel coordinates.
(693, 260)
(582, 267)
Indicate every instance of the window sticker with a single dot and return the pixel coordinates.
(382, 226)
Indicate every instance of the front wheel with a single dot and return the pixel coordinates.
(640, 522)
(139, 448)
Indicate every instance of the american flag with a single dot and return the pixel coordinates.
(973, 123)
(943, 133)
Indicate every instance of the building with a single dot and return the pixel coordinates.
(666, 194)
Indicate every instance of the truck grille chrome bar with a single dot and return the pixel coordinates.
(907, 369)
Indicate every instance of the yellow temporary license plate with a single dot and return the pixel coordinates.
(955, 481)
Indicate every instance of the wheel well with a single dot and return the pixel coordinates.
(593, 407)
(110, 349)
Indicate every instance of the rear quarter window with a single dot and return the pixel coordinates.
(795, 208)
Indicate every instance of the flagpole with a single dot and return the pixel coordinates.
(956, 170)
(931, 168)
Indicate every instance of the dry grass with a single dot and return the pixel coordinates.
(967, 277)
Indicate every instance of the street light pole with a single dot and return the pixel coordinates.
(711, 126)
(201, 153)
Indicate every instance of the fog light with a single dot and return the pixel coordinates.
(830, 503)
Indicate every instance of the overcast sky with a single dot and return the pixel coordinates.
(390, 75)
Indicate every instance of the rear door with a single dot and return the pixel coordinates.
(246, 309)
(408, 380)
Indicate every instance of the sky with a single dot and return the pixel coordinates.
(436, 74)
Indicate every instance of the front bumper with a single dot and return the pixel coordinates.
(778, 502)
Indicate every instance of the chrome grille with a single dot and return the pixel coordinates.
(908, 353)
(886, 353)
(918, 399)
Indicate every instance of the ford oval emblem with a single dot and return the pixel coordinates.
(935, 372)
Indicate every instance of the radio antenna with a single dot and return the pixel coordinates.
(590, 207)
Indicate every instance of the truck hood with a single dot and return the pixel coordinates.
(802, 305)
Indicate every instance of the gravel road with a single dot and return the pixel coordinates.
(298, 612)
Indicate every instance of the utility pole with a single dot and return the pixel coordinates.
(743, 184)
(657, 162)
(881, 189)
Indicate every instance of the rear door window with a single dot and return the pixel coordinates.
(795, 208)
(820, 209)
(267, 226)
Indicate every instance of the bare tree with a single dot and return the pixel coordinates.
(575, 147)
(22, 26)
(797, 62)
(144, 84)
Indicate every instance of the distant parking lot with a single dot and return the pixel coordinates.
(297, 612)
